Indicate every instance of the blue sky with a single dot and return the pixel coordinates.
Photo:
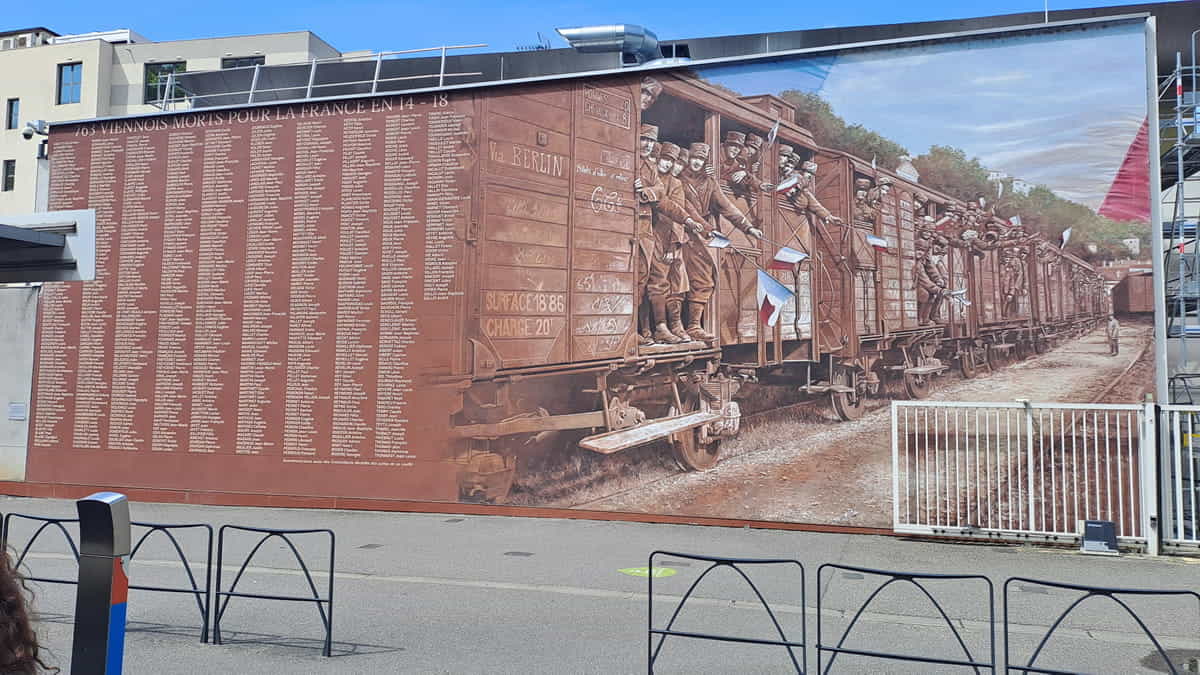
(380, 25)
(1058, 110)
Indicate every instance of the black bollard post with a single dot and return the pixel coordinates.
(99, 643)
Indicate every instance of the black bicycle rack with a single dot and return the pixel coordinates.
(734, 564)
(324, 605)
(1088, 592)
(59, 524)
(200, 590)
(202, 594)
(915, 580)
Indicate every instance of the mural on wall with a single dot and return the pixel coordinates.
(684, 292)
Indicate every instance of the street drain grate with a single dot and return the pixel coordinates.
(675, 563)
(518, 554)
(371, 546)
(453, 520)
(852, 575)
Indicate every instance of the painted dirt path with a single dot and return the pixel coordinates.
(807, 467)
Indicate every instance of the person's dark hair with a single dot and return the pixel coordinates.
(18, 642)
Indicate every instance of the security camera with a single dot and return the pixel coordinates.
(38, 127)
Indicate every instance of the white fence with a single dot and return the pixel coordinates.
(1181, 459)
(1023, 471)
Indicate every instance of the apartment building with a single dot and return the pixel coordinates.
(52, 77)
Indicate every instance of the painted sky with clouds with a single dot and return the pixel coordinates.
(1058, 109)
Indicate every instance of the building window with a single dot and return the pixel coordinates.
(70, 81)
(9, 179)
(12, 113)
(242, 61)
(156, 80)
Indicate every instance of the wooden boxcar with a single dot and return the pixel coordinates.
(1134, 294)
(545, 338)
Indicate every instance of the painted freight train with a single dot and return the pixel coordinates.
(627, 248)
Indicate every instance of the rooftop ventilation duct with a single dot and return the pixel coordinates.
(635, 43)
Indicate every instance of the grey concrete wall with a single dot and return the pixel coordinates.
(18, 320)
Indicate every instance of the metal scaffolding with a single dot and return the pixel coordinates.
(1179, 148)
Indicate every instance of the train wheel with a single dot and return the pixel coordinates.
(691, 454)
(1024, 351)
(691, 450)
(969, 363)
(917, 386)
(997, 358)
(847, 406)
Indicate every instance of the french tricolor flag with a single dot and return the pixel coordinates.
(771, 297)
(787, 259)
(877, 241)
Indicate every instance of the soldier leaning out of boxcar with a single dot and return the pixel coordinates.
(931, 281)
(672, 235)
(704, 197)
(659, 200)
(654, 267)
(803, 194)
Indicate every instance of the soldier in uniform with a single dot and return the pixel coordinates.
(658, 210)
(787, 162)
(753, 186)
(752, 154)
(876, 195)
(645, 187)
(931, 283)
(803, 196)
(732, 168)
(650, 91)
(672, 235)
(681, 163)
(704, 197)
(864, 213)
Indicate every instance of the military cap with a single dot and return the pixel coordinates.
(786, 150)
(649, 131)
(652, 85)
(754, 141)
(885, 180)
(809, 166)
(668, 150)
(683, 154)
(735, 137)
(700, 150)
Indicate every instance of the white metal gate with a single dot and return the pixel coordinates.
(1181, 459)
(1023, 471)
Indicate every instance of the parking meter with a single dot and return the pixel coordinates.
(100, 597)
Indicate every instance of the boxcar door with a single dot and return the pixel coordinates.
(834, 286)
(602, 221)
(524, 239)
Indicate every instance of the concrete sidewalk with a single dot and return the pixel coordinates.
(419, 593)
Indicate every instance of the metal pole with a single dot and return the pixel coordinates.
(442, 69)
(98, 647)
(312, 76)
(1148, 478)
(378, 66)
(167, 92)
(253, 84)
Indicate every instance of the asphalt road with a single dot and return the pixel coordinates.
(419, 593)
